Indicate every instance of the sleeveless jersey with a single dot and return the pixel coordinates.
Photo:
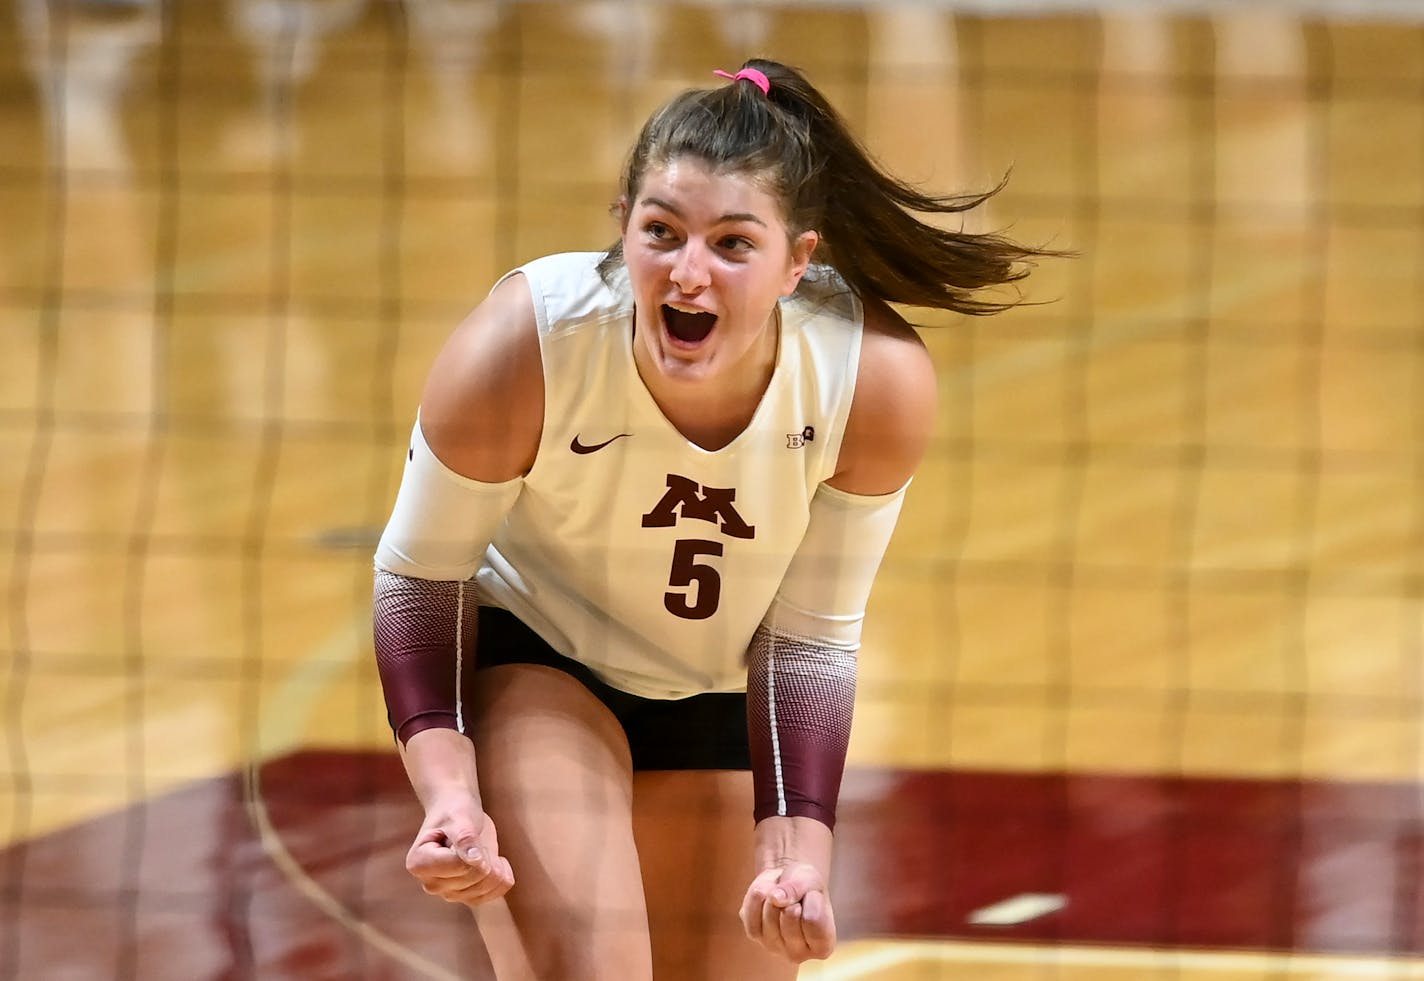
(630, 548)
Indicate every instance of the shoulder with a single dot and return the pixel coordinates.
(892, 412)
(569, 286)
(482, 409)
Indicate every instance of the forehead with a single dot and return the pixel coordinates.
(694, 189)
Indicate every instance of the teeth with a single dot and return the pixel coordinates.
(682, 309)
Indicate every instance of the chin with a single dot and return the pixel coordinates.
(683, 370)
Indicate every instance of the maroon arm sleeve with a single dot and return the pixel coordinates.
(425, 647)
(800, 698)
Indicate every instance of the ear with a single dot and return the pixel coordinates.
(802, 248)
(621, 209)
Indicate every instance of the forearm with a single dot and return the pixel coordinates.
(440, 763)
(424, 638)
(800, 700)
(801, 663)
(424, 603)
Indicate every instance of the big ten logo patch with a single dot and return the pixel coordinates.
(695, 585)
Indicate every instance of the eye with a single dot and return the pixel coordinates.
(658, 231)
(734, 243)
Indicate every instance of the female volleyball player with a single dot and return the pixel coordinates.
(646, 495)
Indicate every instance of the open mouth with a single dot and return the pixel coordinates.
(686, 326)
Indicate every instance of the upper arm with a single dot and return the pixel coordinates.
(892, 413)
(482, 410)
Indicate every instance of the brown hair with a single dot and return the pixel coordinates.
(800, 148)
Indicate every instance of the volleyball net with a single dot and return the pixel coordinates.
(1172, 522)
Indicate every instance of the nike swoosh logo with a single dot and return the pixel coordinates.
(578, 447)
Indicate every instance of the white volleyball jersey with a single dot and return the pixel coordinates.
(631, 549)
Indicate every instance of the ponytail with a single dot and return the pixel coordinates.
(794, 140)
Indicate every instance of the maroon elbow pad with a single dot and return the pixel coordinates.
(800, 699)
(425, 646)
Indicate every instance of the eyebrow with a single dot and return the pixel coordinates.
(729, 217)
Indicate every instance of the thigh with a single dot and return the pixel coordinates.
(694, 835)
(556, 779)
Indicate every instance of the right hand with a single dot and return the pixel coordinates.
(788, 912)
(456, 855)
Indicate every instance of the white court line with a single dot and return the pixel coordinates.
(290, 705)
(297, 876)
(863, 960)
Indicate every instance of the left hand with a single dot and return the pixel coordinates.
(456, 854)
(788, 911)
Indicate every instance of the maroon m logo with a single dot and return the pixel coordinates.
(687, 499)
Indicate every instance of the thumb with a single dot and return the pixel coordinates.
(794, 883)
(466, 844)
(763, 885)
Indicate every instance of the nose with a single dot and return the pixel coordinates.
(690, 271)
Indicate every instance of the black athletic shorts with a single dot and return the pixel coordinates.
(701, 732)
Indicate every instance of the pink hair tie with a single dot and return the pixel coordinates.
(751, 75)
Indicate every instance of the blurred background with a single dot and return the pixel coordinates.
(1141, 688)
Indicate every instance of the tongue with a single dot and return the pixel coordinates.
(688, 327)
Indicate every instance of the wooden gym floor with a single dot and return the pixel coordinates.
(1141, 688)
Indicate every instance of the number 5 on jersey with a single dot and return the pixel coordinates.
(703, 583)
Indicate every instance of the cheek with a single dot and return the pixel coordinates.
(771, 287)
(641, 268)
(654, 264)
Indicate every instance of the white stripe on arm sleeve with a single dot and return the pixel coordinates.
(442, 522)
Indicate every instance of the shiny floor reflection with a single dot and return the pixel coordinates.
(295, 870)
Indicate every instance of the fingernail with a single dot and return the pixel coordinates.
(779, 895)
(473, 855)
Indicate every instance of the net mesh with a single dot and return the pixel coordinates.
(1171, 526)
